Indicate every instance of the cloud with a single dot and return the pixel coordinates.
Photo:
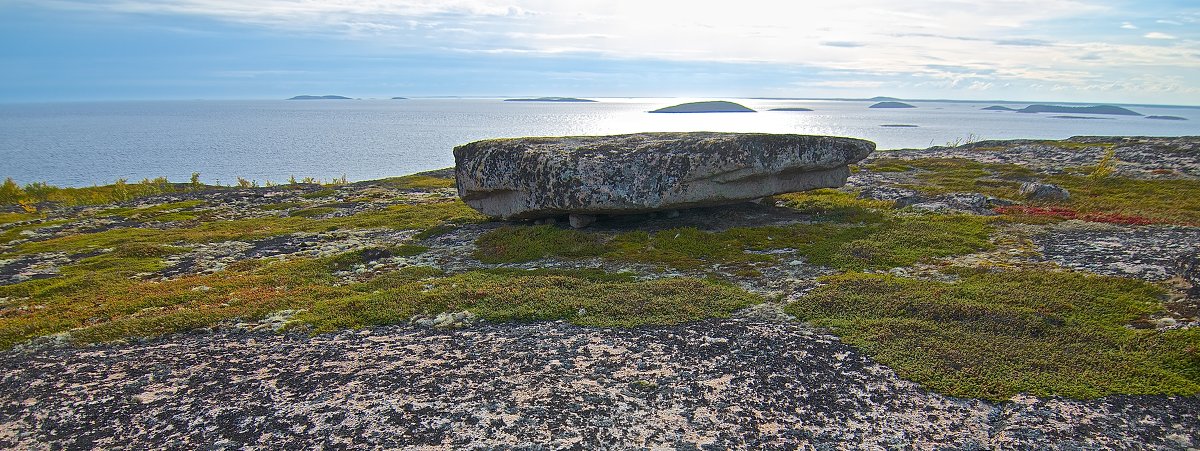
(965, 44)
(852, 84)
(1157, 35)
(844, 44)
(1168, 22)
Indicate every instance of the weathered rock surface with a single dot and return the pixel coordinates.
(537, 177)
(718, 384)
(1044, 192)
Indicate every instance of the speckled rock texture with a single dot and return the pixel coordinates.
(719, 384)
(536, 177)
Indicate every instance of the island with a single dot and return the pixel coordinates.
(714, 106)
(794, 108)
(320, 98)
(883, 99)
(1078, 117)
(1167, 118)
(891, 105)
(1095, 109)
(998, 108)
(399, 98)
(550, 99)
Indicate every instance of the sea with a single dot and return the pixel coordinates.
(88, 143)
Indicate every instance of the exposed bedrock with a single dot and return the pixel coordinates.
(519, 178)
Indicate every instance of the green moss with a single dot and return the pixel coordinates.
(8, 218)
(523, 243)
(1072, 145)
(279, 206)
(887, 165)
(836, 205)
(418, 182)
(101, 298)
(890, 242)
(1169, 201)
(312, 212)
(13, 233)
(995, 334)
(516, 296)
(400, 217)
(684, 248)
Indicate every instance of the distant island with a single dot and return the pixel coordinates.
(716, 106)
(1096, 109)
(883, 99)
(320, 98)
(1167, 118)
(550, 99)
(999, 108)
(796, 108)
(891, 105)
(399, 98)
(1079, 117)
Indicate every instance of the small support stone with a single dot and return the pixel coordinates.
(581, 221)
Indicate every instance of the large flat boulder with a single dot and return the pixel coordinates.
(587, 175)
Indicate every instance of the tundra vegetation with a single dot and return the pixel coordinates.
(957, 326)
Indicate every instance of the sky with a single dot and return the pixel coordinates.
(1053, 50)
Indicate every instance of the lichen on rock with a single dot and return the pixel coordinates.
(537, 177)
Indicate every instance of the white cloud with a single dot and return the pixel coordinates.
(1157, 35)
(854, 84)
(958, 43)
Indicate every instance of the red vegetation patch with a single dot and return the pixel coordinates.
(1067, 213)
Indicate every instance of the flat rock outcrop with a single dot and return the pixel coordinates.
(537, 177)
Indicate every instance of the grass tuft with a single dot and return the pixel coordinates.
(995, 334)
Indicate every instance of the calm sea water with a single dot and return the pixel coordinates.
(78, 144)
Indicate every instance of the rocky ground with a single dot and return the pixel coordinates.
(757, 380)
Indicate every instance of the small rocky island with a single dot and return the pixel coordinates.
(891, 105)
(998, 108)
(1167, 118)
(583, 176)
(551, 99)
(714, 106)
(328, 97)
(1095, 109)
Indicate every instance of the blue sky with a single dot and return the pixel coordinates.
(1055, 50)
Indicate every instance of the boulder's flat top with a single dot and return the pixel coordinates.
(701, 144)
